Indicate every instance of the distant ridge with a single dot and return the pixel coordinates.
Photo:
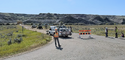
(65, 18)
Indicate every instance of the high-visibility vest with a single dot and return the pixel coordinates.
(116, 30)
(56, 35)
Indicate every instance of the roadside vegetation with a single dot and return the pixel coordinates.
(99, 29)
(14, 39)
(95, 29)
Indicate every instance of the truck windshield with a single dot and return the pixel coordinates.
(63, 30)
(62, 27)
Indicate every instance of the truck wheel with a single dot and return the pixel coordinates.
(66, 36)
(49, 34)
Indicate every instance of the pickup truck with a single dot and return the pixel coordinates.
(51, 31)
(64, 31)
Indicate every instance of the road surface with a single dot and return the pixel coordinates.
(74, 48)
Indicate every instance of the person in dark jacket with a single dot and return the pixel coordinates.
(71, 29)
(116, 32)
(122, 35)
(106, 32)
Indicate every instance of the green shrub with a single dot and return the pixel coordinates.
(9, 42)
(19, 35)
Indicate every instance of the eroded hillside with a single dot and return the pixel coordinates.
(65, 18)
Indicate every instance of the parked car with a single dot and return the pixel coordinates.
(39, 27)
(33, 26)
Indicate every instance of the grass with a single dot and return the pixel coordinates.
(99, 29)
(31, 39)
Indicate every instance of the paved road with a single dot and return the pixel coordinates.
(74, 48)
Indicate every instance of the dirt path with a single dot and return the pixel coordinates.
(35, 29)
(74, 48)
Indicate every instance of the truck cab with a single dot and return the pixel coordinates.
(52, 30)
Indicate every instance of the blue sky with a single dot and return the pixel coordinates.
(101, 7)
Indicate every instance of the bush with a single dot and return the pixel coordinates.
(9, 42)
(9, 34)
(16, 40)
(19, 35)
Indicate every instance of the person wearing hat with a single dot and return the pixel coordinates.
(106, 32)
(56, 36)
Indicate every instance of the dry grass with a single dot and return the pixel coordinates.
(99, 29)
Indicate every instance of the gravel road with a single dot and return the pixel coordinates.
(74, 48)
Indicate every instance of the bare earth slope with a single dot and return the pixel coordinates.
(12, 18)
(74, 48)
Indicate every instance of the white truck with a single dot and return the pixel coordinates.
(51, 31)
(62, 30)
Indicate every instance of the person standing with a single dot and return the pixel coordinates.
(122, 35)
(116, 32)
(71, 28)
(56, 38)
(45, 26)
(106, 32)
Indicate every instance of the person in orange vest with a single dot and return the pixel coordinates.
(56, 38)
